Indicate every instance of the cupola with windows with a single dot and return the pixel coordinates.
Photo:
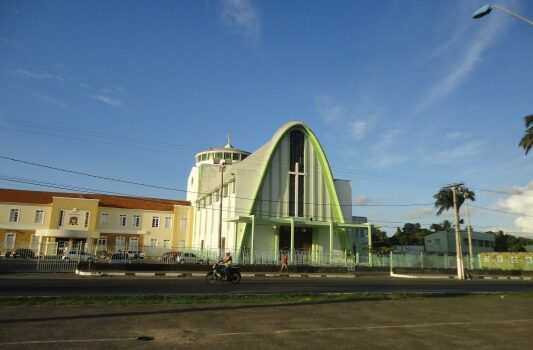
(214, 155)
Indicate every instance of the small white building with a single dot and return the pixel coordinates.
(444, 242)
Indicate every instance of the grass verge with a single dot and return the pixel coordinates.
(242, 299)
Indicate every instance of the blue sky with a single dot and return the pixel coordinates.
(405, 96)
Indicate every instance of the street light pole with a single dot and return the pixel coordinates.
(222, 163)
(485, 10)
(222, 168)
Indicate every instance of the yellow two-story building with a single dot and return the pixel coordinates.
(50, 222)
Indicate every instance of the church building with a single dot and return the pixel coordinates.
(282, 197)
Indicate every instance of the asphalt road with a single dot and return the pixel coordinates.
(70, 285)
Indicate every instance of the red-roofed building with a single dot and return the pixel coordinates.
(51, 221)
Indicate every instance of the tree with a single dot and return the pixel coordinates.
(454, 196)
(444, 199)
(443, 226)
(378, 237)
(410, 234)
(527, 141)
(504, 242)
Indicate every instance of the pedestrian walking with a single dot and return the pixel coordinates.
(284, 263)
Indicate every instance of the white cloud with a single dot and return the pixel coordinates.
(117, 90)
(521, 204)
(332, 114)
(453, 135)
(386, 160)
(40, 76)
(466, 150)
(388, 139)
(358, 128)
(240, 14)
(361, 200)
(469, 52)
(47, 99)
(115, 102)
(12, 43)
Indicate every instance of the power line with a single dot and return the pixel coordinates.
(374, 176)
(500, 211)
(185, 191)
(211, 208)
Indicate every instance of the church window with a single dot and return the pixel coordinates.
(296, 174)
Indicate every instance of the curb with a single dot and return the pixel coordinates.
(422, 276)
(202, 274)
(516, 278)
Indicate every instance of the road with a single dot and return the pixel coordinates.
(72, 285)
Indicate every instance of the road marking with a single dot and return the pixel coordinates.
(439, 324)
(67, 341)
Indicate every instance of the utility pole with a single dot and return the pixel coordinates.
(458, 249)
(469, 230)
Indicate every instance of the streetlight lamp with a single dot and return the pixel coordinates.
(485, 10)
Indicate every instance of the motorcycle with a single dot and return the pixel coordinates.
(233, 275)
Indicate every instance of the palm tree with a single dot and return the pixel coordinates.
(527, 140)
(444, 199)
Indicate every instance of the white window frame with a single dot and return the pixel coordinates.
(166, 243)
(182, 243)
(155, 221)
(499, 259)
(10, 244)
(104, 222)
(14, 215)
(136, 221)
(102, 241)
(117, 245)
(514, 260)
(529, 260)
(168, 222)
(154, 242)
(38, 218)
(122, 220)
(136, 245)
(183, 223)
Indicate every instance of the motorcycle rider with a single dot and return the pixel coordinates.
(227, 264)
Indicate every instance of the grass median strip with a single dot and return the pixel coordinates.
(242, 298)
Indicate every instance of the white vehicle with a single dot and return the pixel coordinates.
(75, 255)
(188, 258)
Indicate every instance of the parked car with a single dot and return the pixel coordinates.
(8, 254)
(119, 258)
(188, 258)
(170, 256)
(134, 254)
(24, 253)
(76, 255)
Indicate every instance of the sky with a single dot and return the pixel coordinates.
(404, 96)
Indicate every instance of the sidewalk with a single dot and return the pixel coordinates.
(201, 274)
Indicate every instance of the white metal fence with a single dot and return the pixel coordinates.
(55, 258)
